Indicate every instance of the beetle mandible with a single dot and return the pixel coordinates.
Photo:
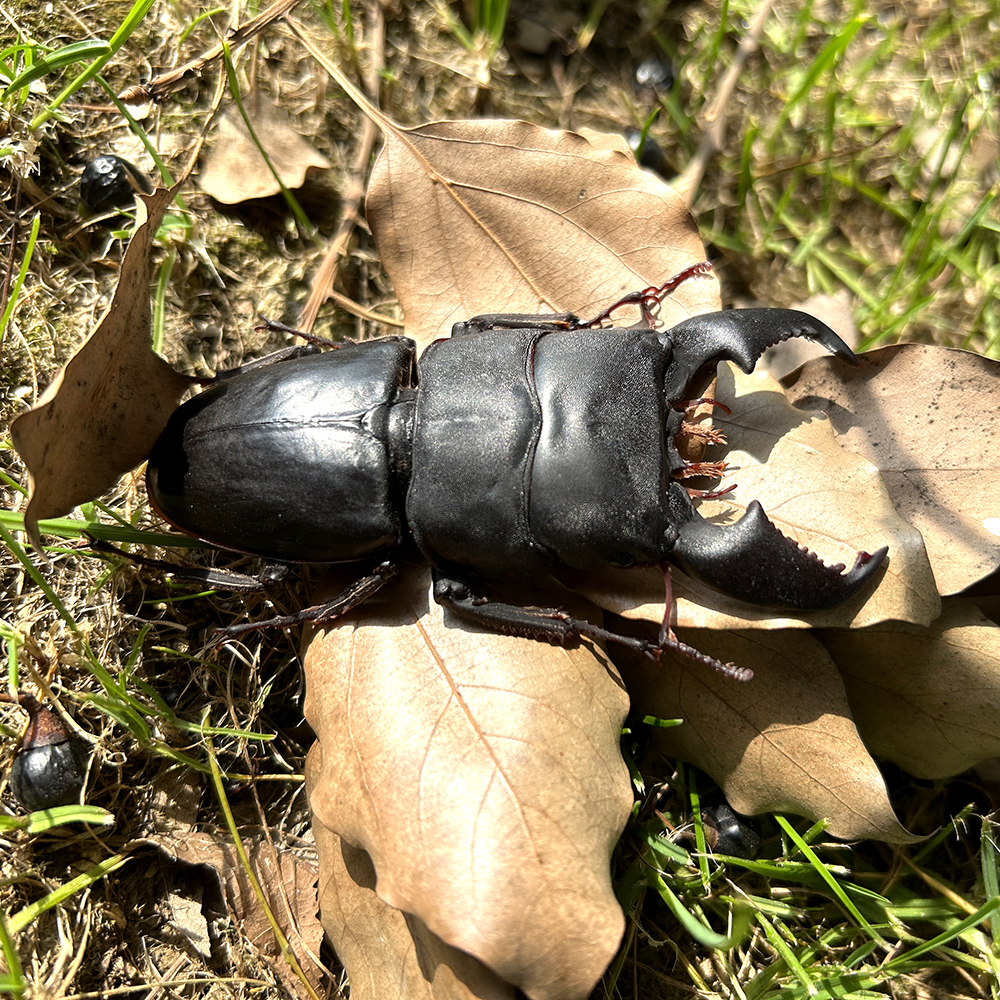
(516, 444)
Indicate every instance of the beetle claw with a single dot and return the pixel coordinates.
(753, 561)
(740, 336)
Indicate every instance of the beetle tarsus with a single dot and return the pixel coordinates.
(667, 638)
(270, 577)
(275, 326)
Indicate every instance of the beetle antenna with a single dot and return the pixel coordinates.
(649, 299)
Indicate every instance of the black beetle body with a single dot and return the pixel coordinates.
(295, 461)
(519, 443)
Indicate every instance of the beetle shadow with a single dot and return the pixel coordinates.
(909, 451)
(768, 414)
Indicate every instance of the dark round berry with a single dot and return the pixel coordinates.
(45, 777)
(49, 768)
(109, 182)
(651, 157)
(730, 833)
(654, 74)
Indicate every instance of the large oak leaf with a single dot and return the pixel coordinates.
(482, 775)
(478, 217)
(926, 416)
(927, 698)
(782, 742)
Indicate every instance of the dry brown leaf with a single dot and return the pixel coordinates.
(817, 492)
(106, 408)
(928, 699)
(926, 416)
(478, 217)
(288, 881)
(482, 774)
(388, 953)
(781, 742)
(235, 171)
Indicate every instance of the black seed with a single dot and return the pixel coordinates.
(651, 157)
(656, 74)
(48, 776)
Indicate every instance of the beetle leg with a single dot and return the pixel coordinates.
(543, 322)
(274, 326)
(753, 561)
(552, 625)
(321, 614)
(740, 336)
(710, 494)
(284, 354)
(270, 577)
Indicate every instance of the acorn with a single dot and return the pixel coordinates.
(109, 182)
(50, 766)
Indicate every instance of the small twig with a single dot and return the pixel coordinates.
(350, 213)
(686, 183)
(355, 309)
(161, 86)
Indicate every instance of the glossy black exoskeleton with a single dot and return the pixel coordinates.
(518, 444)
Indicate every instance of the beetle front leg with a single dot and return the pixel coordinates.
(543, 322)
(552, 625)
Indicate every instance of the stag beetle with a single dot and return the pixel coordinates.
(519, 443)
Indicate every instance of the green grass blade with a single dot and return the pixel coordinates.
(15, 290)
(91, 48)
(25, 917)
(132, 20)
(824, 873)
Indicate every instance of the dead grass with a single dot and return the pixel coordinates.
(882, 177)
